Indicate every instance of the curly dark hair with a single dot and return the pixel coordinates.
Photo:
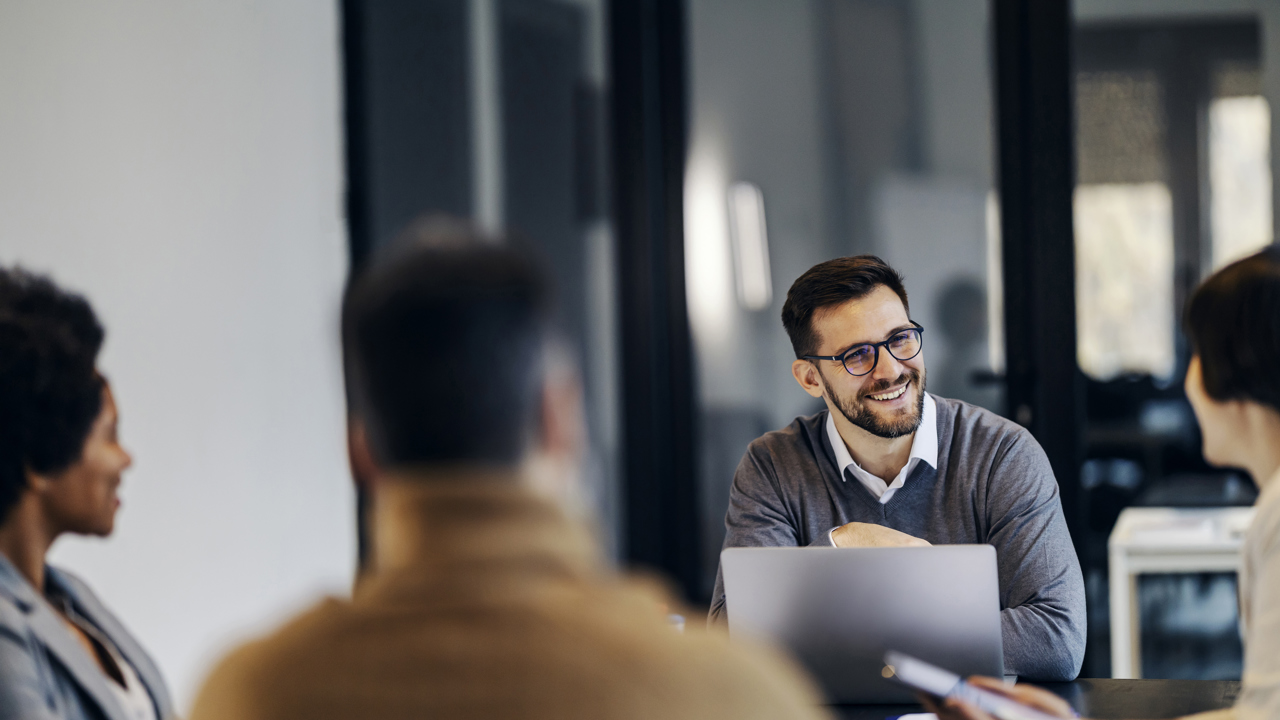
(1233, 322)
(50, 390)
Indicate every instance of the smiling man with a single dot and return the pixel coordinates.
(887, 464)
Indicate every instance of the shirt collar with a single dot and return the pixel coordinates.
(924, 446)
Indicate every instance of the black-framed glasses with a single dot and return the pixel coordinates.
(862, 359)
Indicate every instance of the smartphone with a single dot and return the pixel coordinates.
(942, 683)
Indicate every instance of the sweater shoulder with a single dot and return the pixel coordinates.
(803, 435)
(962, 421)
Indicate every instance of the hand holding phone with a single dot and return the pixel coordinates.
(944, 684)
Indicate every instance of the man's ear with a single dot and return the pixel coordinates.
(808, 376)
(364, 469)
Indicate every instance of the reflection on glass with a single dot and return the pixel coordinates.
(1124, 279)
(995, 291)
(865, 127)
(1239, 176)
(708, 257)
(747, 228)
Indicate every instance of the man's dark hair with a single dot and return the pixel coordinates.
(443, 338)
(50, 390)
(831, 283)
(1233, 323)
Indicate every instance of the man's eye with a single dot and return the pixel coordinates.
(860, 352)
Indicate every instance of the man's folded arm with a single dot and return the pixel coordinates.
(1042, 640)
(1041, 587)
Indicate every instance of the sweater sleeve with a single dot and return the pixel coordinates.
(757, 517)
(1041, 586)
(1260, 686)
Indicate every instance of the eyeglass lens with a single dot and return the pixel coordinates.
(861, 359)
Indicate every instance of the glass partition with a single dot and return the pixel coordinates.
(819, 129)
(1173, 181)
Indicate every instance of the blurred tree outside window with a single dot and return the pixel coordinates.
(1124, 279)
(1123, 215)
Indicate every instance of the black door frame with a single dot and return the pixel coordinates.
(648, 84)
(1036, 163)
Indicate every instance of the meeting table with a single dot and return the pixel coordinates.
(1103, 699)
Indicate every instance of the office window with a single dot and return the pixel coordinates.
(1239, 176)
(1124, 279)
(1173, 180)
(1123, 227)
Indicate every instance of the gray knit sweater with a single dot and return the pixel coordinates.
(993, 485)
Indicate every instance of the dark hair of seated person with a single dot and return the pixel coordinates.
(829, 283)
(50, 392)
(1233, 323)
(443, 336)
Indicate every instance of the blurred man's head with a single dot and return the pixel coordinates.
(446, 338)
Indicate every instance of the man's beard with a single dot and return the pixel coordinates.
(859, 412)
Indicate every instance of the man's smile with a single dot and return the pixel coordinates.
(890, 394)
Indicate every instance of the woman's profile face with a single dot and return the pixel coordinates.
(82, 499)
(1219, 421)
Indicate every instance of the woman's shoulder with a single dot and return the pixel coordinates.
(86, 603)
(67, 581)
(16, 597)
(62, 582)
(12, 618)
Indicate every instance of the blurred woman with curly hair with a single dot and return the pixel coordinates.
(62, 653)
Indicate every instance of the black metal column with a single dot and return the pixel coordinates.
(1037, 178)
(649, 126)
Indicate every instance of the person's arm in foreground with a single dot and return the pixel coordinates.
(1041, 586)
(1031, 696)
(954, 709)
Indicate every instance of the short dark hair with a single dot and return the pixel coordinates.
(50, 389)
(1233, 323)
(443, 339)
(831, 283)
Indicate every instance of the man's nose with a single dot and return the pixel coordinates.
(888, 367)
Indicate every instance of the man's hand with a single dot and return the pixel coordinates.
(1042, 700)
(856, 534)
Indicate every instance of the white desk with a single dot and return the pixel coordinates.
(1164, 540)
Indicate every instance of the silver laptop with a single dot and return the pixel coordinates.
(838, 610)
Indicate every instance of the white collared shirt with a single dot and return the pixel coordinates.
(923, 447)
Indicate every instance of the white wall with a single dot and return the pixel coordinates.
(180, 164)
